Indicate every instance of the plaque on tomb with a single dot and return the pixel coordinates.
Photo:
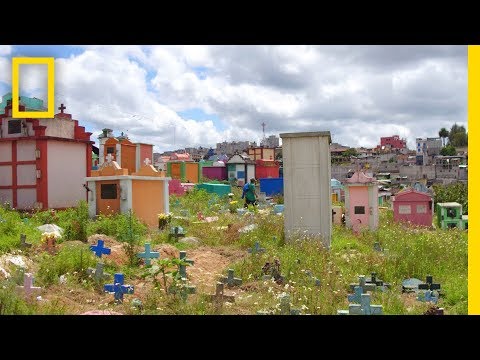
(108, 191)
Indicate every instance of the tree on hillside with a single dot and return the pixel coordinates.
(458, 136)
(350, 152)
(443, 133)
(448, 150)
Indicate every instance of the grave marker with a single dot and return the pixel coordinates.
(230, 280)
(285, 308)
(410, 285)
(99, 248)
(183, 289)
(428, 296)
(28, 287)
(377, 247)
(364, 308)
(256, 248)
(118, 288)
(23, 241)
(362, 282)
(182, 269)
(316, 281)
(147, 254)
(219, 297)
(176, 232)
(356, 297)
(378, 282)
(98, 273)
(429, 285)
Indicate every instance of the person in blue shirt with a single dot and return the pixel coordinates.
(249, 193)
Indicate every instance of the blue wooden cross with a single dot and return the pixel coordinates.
(256, 248)
(99, 249)
(428, 296)
(364, 308)
(356, 297)
(182, 269)
(230, 279)
(147, 254)
(118, 288)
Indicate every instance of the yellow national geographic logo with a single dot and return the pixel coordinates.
(16, 62)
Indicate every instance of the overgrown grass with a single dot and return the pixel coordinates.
(72, 261)
(410, 252)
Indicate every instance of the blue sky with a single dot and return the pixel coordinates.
(210, 94)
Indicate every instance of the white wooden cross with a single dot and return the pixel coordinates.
(147, 161)
(109, 158)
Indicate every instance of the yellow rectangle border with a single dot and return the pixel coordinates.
(16, 62)
(473, 161)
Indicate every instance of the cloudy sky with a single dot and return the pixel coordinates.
(177, 96)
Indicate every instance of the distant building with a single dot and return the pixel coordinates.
(231, 148)
(393, 141)
(421, 156)
(448, 167)
(272, 142)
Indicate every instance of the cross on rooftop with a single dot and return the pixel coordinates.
(61, 108)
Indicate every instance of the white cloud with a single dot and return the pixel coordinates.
(359, 93)
(5, 50)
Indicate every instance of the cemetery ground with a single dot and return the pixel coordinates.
(316, 279)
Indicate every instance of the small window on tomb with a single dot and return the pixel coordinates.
(110, 150)
(404, 209)
(421, 209)
(359, 210)
(108, 191)
(451, 213)
(14, 126)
